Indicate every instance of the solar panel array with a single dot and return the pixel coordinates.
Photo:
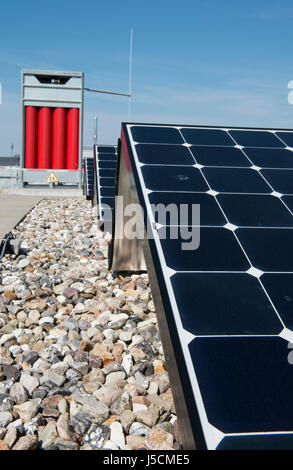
(232, 298)
(88, 177)
(106, 160)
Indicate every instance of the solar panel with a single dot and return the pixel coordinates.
(105, 161)
(225, 308)
(88, 177)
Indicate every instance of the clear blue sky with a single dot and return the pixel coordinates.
(218, 62)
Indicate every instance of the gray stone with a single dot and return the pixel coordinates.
(81, 422)
(97, 435)
(108, 394)
(127, 362)
(127, 418)
(51, 376)
(63, 444)
(139, 429)
(48, 435)
(115, 378)
(10, 372)
(10, 437)
(123, 403)
(162, 380)
(18, 393)
(117, 435)
(98, 410)
(64, 429)
(141, 381)
(5, 418)
(28, 410)
(110, 445)
(81, 367)
(31, 357)
(29, 382)
(114, 367)
(28, 442)
(18, 425)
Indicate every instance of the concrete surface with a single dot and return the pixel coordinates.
(13, 209)
(44, 193)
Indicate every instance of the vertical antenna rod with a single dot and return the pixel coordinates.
(130, 75)
(95, 133)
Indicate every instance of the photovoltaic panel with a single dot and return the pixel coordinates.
(228, 303)
(106, 160)
(89, 176)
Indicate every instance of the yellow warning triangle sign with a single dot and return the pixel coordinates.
(52, 178)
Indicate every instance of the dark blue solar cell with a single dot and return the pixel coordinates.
(250, 138)
(107, 173)
(107, 182)
(106, 149)
(107, 201)
(107, 191)
(246, 210)
(270, 158)
(224, 304)
(170, 178)
(286, 137)
(257, 442)
(280, 289)
(236, 180)
(206, 137)
(107, 164)
(246, 383)
(218, 250)
(288, 201)
(268, 249)
(164, 154)
(280, 180)
(107, 156)
(210, 213)
(219, 156)
(156, 135)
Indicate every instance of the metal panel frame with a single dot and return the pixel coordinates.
(190, 420)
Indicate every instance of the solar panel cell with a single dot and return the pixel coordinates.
(210, 212)
(254, 138)
(219, 156)
(238, 378)
(236, 180)
(164, 154)
(218, 251)
(156, 135)
(170, 178)
(286, 137)
(238, 305)
(270, 158)
(280, 180)
(246, 210)
(268, 249)
(202, 137)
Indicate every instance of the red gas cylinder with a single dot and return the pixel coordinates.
(45, 138)
(31, 155)
(72, 139)
(59, 139)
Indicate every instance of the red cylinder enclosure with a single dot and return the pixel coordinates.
(72, 139)
(31, 155)
(45, 138)
(59, 139)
